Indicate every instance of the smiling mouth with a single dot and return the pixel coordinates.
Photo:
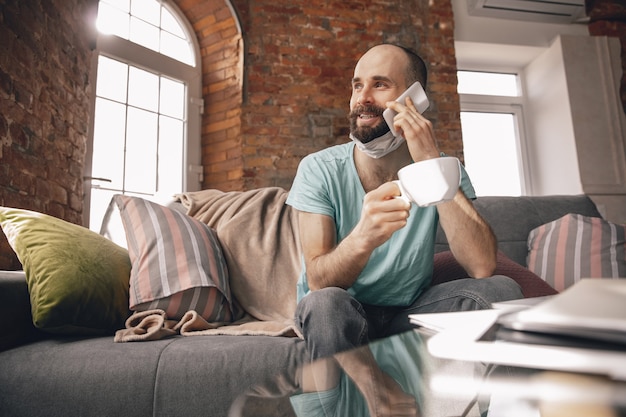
(369, 112)
(366, 116)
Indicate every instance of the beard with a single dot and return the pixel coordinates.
(366, 133)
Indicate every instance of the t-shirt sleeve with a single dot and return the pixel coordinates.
(309, 191)
(466, 184)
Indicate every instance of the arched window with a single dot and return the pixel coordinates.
(146, 124)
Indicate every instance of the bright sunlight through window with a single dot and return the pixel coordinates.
(147, 23)
(491, 153)
(141, 129)
(491, 116)
(487, 83)
(140, 122)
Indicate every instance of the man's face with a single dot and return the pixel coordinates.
(378, 78)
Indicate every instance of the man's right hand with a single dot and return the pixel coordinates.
(382, 214)
(332, 264)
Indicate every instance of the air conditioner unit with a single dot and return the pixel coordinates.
(554, 11)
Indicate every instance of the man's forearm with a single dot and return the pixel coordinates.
(339, 267)
(471, 239)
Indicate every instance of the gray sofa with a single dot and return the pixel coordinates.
(47, 375)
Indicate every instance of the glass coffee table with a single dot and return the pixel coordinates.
(397, 376)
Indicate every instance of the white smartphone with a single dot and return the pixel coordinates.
(417, 94)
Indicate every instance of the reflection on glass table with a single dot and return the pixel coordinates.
(382, 379)
(397, 376)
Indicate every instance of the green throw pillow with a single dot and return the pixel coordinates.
(77, 280)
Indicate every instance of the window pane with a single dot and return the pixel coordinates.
(143, 89)
(144, 34)
(170, 155)
(141, 151)
(112, 21)
(170, 24)
(489, 146)
(112, 77)
(108, 143)
(487, 83)
(148, 10)
(172, 98)
(176, 48)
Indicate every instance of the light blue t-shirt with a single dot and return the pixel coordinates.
(327, 183)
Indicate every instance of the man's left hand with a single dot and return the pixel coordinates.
(416, 129)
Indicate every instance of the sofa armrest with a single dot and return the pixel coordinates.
(16, 323)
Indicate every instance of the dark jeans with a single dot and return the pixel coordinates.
(333, 321)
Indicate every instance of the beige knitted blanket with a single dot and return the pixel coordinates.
(258, 234)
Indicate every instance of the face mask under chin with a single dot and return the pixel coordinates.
(380, 146)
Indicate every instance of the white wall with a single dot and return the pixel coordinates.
(593, 72)
(551, 144)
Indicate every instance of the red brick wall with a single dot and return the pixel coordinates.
(608, 18)
(221, 50)
(299, 60)
(45, 55)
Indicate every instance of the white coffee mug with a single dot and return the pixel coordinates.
(431, 181)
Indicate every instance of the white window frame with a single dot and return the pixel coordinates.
(136, 55)
(505, 105)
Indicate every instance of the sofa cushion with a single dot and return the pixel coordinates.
(574, 247)
(446, 268)
(77, 279)
(178, 376)
(177, 262)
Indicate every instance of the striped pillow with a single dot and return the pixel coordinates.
(574, 247)
(177, 262)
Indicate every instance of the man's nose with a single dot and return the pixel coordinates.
(365, 96)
